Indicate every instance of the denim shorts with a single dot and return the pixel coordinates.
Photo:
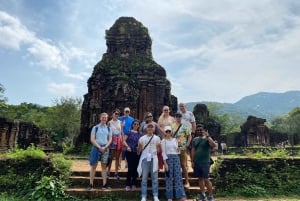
(201, 170)
(95, 155)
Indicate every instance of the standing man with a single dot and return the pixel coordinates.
(148, 146)
(182, 133)
(188, 117)
(101, 138)
(200, 157)
(126, 122)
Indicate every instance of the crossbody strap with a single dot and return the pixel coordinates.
(175, 134)
(147, 143)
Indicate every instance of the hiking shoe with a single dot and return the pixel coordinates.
(104, 187)
(90, 187)
(117, 176)
(155, 198)
(127, 188)
(210, 198)
(201, 197)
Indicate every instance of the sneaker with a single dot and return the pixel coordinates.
(143, 199)
(201, 197)
(90, 187)
(127, 188)
(104, 187)
(133, 188)
(155, 198)
(117, 176)
(210, 198)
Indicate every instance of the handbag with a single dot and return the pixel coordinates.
(211, 161)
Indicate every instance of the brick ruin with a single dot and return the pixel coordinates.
(255, 132)
(202, 116)
(126, 76)
(22, 134)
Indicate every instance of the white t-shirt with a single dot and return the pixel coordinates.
(115, 126)
(188, 117)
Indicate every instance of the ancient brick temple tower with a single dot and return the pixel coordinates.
(127, 76)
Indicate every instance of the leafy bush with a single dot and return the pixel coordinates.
(30, 152)
(49, 188)
(279, 153)
(252, 190)
(61, 165)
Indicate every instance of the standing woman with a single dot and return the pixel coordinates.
(165, 118)
(131, 140)
(117, 143)
(172, 164)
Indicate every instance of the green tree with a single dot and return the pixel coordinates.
(3, 100)
(289, 124)
(63, 120)
(230, 123)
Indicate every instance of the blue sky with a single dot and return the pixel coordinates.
(212, 50)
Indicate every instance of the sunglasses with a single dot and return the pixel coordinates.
(136, 124)
(116, 113)
(168, 131)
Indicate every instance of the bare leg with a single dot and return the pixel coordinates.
(103, 173)
(202, 185)
(92, 173)
(208, 186)
(184, 171)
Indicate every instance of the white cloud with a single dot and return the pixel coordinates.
(63, 89)
(12, 32)
(44, 52)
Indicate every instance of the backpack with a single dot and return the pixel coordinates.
(96, 129)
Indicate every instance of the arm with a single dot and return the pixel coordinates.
(192, 156)
(164, 155)
(211, 142)
(193, 127)
(163, 148)
(93, 141)
(140, 146)
(125, 143)
(189, 140)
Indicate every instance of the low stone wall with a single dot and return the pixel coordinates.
(269, 174)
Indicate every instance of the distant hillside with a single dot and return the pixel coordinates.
(264, 105)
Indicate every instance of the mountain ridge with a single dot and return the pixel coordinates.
(267, 105)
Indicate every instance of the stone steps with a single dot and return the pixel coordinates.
(79, 181)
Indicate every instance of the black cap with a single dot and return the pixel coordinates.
(178, 114)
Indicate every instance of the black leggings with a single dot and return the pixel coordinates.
(132, 162)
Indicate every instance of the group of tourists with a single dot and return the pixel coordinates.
(151, 146)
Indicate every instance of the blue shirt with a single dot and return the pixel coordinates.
(127, 122)
(102, 135)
